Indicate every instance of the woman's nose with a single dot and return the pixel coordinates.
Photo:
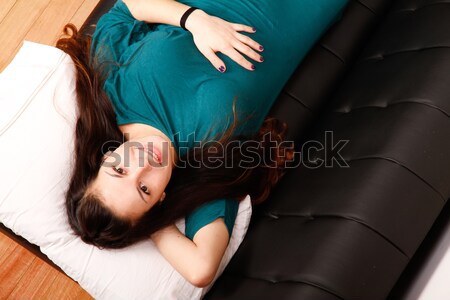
(141, 158)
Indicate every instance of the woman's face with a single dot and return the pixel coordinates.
(132, 179)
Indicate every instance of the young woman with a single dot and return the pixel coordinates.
(158, 83)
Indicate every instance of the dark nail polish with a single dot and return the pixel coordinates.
(261, 48)
(253, 67)
(261, 58)
(222, 69)
(254, 29)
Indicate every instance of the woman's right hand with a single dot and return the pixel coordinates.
(212, 34)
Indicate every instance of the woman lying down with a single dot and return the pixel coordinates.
(172, 122)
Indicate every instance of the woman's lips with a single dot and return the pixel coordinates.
(154, 151)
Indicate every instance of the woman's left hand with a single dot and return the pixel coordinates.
(212, 34)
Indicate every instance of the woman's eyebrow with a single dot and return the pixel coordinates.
(138, 190)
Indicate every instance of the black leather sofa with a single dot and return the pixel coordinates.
(346, 223)
(356, 221)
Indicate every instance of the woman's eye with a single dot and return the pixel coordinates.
(118, 169)
(144, 189)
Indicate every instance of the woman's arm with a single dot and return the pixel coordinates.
(196, 260)
(211, 34)
(159, 11)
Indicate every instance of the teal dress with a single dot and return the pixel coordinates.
(157, 76)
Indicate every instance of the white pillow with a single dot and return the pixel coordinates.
(38, 113)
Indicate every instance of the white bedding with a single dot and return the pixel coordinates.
(37, 117)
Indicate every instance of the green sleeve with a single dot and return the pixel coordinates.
(208, 212)
(115, 32)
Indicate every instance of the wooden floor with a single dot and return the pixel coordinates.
(22, 274)
(39, 21)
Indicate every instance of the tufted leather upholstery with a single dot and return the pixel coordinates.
(380, 80)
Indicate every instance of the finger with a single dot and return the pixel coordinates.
(248, 41)
(237, 57)
(247, 51)
(242, 27)
(214, 59)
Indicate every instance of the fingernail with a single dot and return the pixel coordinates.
(261, 48)
(261, 58)
(222, 69)
(253, 67)
(254, 29)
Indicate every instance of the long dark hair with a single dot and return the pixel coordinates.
(188, 188)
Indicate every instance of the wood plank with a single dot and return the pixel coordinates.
(5, 8)
(35, 282)
(6, 245)
(50, 23)
(65, 288)
(46, 28)
(15, 26)
(14, 265)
